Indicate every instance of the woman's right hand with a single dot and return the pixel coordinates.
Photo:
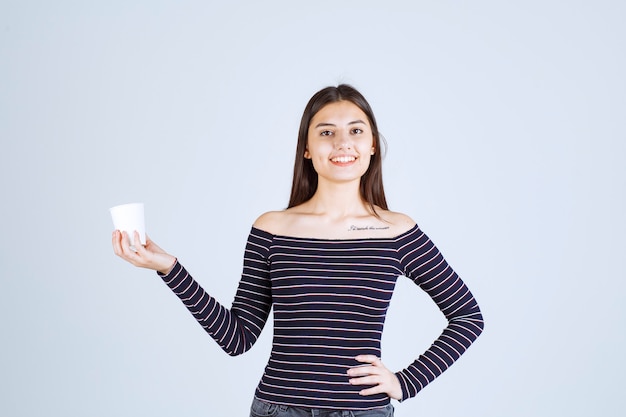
(149, 256)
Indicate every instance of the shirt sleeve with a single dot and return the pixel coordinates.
(237, 329)
(423, 263)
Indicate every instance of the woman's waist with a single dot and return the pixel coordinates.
(315, 364)
(307, 350)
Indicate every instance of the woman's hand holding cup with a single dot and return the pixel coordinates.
(150, 256)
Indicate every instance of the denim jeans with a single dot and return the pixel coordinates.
(264, 409)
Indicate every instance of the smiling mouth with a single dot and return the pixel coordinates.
(343, 159)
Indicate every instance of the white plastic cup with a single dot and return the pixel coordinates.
(128, 218)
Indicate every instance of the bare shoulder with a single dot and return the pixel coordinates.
(268, 221)
(399, 222)
(275, 222)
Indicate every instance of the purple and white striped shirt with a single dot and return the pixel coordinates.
(330, 298)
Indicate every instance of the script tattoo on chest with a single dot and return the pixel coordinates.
(357, 228)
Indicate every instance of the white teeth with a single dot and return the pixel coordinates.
(344, 159)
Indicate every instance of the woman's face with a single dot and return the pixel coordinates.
(340, 142)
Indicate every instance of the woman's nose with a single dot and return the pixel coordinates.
(342, 141)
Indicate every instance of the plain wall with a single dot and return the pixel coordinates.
(506, 130)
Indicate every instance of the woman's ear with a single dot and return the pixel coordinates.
(307, 155)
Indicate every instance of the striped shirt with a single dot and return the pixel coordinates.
(330, 298)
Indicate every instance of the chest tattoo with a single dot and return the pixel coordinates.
(357, 228)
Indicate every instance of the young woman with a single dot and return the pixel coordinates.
(328, 265)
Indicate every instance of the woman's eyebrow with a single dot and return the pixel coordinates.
(324, 124)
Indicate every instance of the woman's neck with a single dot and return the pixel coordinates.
(338, 200)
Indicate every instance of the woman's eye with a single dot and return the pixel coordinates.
(357, 131)
(326, 133)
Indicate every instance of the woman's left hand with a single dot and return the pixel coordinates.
(375, 373)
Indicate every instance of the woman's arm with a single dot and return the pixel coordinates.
(235, 330)
(423, 263)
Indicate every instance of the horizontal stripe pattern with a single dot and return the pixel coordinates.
(423, 263)
(330, 298)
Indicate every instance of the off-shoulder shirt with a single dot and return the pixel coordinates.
(330, 299)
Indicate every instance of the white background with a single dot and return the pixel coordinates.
(507, 135)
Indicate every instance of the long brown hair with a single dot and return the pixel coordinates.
(304, 182)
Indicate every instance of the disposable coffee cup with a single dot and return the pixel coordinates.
(128, 218)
